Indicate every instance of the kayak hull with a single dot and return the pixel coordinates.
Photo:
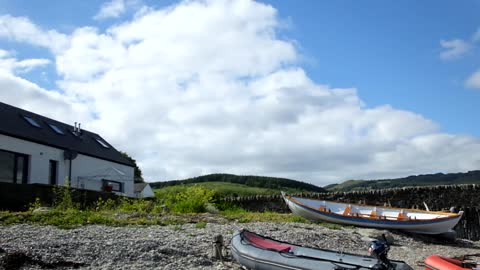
(283, 256)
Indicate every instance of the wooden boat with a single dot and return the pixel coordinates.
(411, 220)
(437, 262)
(261, 253)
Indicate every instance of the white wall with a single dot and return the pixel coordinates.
(40, 155)
(147, 192)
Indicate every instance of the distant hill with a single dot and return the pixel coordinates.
(471, 177)
(249, 180)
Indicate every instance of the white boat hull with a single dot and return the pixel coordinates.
(426, 223)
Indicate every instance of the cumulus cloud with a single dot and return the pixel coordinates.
(29, 96)
(114, 9)
(454, 49)
(10, 64)
(21, 29)
(474, 80)
(208, 86)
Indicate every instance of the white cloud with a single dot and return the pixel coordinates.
(476, 36)
(114, 9)
(454, 49)
(474, 80)
(208, 86)
(29, 96)
(21, 29)
(12, 65)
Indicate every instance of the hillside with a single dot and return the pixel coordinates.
(471, 177)
(250, 181)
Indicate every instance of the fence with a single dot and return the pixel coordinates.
(462, 197)
(17, 197)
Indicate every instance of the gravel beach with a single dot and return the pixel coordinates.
(186, 246)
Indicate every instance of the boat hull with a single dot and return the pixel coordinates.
(436, 262)
(301, 258)
(427, 226)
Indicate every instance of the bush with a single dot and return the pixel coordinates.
(192, 200)
(185, 199)
(63, 197)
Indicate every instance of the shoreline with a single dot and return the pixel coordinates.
(188, 247)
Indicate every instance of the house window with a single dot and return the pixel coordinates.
(109, 185)
(56, 129)
(13, 167)
(52, 172)
(32, 121)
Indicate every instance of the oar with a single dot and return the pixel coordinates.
(426, 206)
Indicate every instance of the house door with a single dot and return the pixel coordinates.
(52, 175)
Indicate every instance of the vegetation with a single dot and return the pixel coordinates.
(471, 177)
(137, 173)
(224, 189)
(251, 181)
(174, 205)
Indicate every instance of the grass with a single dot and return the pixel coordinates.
(72, 218)
(201, 225)
(174, 205)
(224, 189)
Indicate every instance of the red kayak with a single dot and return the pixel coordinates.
(437, 262)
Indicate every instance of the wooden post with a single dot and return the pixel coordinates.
(218, 246)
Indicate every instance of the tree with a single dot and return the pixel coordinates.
(137, 173)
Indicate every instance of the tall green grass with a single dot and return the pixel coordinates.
(171, 206)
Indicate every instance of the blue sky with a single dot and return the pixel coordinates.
(412, 66)
(389, 50)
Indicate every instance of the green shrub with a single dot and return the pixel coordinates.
(184, 199)
(35, 205)
(63, 197)
(192, 200)
(135, 205)
(201, 225)
(105, 205)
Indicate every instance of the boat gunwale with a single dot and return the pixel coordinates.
(447, 216)
(239, 234)
(297, 245)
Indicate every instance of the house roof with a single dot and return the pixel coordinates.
(138, 187)
(16, 122)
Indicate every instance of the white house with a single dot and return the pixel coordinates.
(143, 190)
(37, 149)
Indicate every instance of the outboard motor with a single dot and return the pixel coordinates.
(379, 250)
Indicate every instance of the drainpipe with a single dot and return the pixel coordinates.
(70, 173)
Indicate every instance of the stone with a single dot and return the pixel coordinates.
(41, 210)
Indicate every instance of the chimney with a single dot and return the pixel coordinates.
(75, 128)
(79, 130)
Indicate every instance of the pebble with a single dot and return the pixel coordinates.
(188, 247)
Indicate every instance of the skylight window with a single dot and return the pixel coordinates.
(32, 121)
(102, 143)
(57, 129)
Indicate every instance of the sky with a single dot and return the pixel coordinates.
(317, 91)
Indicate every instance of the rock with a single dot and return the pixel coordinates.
(165, 247)
(41, 210)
